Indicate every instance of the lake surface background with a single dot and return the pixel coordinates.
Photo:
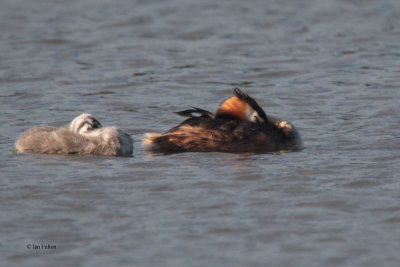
(332, 68)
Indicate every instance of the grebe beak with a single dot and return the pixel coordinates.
(253, 116)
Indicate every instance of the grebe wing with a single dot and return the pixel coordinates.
(191, 113)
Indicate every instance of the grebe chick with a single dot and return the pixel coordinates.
(239, 125)
(83, 136)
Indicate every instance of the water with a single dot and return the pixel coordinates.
(330, 67)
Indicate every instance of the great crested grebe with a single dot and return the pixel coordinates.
(83, 136)
(239, 125)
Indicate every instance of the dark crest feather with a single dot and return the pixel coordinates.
(240, 94)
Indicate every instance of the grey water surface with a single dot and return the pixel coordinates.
(332, 68)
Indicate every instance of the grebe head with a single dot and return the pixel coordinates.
(84, 123)
(242, 107)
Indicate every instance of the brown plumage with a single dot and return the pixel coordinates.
(84, 136)
(239, 125)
